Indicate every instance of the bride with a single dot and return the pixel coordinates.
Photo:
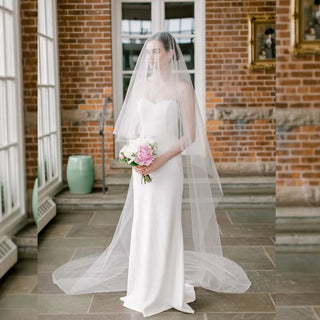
(167, 239)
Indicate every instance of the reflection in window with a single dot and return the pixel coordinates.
(136, 18)
(130, 52)
(179, 17)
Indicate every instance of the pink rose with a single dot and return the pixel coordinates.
(145, 156)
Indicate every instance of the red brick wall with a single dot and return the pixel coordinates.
(298, 154)
(28, 13)
(236, 142)
(298, 86)
(229, 83)
(84, 32)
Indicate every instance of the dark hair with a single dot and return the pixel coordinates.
(168, 41)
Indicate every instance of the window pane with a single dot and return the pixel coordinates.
(12, 115)
(187, 49)
(130, 52)
(43, 74)
(9, 44)
(50, 62)
(49, 16)
(126, 81)
(136, 18)
(8, 4)
(2, 46)
(52, 110)
(41, 17)
(3, 113)
(179, 17)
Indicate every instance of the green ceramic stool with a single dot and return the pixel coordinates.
(80, 174)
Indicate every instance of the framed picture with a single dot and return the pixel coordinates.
(263, 42)
(307, 26)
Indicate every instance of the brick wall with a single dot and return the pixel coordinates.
(84, 32)
(298, 89)
(231, 84)
(86, 79)
(28, 13)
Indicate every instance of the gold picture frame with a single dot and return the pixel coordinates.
(307, 26)
(262, 42)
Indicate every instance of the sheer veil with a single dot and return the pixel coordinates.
(161, 74)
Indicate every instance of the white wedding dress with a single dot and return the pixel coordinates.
(156, 279)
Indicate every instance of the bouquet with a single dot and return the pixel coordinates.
(140, 151)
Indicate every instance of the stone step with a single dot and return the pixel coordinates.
(298, 229)
(230, 185)
(114, 199)
(27, 241)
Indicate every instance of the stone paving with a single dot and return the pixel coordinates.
(247, 237)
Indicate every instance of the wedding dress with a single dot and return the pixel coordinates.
(156, 263)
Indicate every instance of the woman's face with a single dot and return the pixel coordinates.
(158, 57)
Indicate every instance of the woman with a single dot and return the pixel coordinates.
(167, 238)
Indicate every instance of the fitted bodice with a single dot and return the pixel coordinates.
(159, 120)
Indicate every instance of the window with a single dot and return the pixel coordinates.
(49, 135)
(12, 177)
(134, 21)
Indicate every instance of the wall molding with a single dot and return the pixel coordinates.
(240, 113)
(298, 117)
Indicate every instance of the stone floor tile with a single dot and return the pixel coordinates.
(18, 284)
(51, 258)
(55, 304)
(246, 241)
(271, 251)
(74, 242)
(250, 258)
(240, 316)
(87, 231)
(55, 231)
(18, 301)
(72, 217)
(249, 230)
(83, 252)
(252, 215)
(24, 267)
(105, 217)
(245, 302)
(223, 217)
(294, 313)
(131, 315)
(109, 302)
(317, 311)
(298, 262)
(18, 314)
(46, 286)
(298, 282)
(298, 299)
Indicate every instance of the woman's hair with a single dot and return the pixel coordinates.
(168, 41)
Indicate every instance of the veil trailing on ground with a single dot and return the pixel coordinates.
(161, 74)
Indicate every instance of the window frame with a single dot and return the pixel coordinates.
(50, 188)
(158, 24)
(15, 220)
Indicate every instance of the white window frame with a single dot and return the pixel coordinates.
(10, 224)
(50, 188)
(157, 22)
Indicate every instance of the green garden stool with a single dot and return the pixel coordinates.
(80, 174)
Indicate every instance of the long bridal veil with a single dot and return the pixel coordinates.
(161, 74)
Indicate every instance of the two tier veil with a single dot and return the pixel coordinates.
(161, 74)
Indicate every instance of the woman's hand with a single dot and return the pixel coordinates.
(156, 164)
